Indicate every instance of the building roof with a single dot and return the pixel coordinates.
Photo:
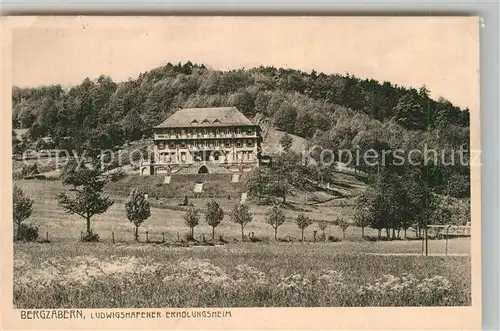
(196, 117)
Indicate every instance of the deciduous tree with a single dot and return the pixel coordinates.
(286, 142)
(343, 225)
(275, 217)
(214, 215)
(138, 210)
(240, 214)
(21, 209)
(192, 219)
(257, 181)
(89, 199)
(303, 222)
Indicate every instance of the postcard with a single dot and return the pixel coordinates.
(241, 173)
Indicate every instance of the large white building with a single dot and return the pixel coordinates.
(221, 137)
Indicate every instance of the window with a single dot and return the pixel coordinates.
(250, 155)
(227, 143)
(238, 144)
(183, 144)
(228, 131)
(161, 145)
(249, 143)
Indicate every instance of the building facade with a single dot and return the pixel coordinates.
(197, 136)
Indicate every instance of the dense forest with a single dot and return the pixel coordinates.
(333, 111)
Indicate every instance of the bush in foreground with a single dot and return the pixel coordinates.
(27, 232)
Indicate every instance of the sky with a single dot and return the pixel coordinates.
(441, 53)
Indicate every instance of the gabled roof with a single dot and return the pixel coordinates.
(205, 117)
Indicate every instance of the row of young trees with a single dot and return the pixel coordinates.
(241, 215)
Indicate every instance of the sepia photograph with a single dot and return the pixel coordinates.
(190, 166)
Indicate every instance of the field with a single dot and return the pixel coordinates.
(67, 273)
(234, 275)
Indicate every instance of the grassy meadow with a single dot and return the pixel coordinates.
(67, 273)
(234, 275)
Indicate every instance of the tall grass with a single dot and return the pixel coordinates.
(103, 276)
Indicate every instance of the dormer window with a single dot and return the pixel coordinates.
(216, 121)
(194, 122)
(205, 121)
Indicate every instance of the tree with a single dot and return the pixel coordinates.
(21, 209)
(256, 182)
(343, 225)
(363, 211)
(71, 174)
(214, 215)
(322, 226)
(279, 187)
(89, 199)
(286, 142)
(303, 222)
(240, 214)
(275, 217)
(409, 112)
(191, 219)
(138, 210)
(284, 118)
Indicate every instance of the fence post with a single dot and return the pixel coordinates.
(447, 228)
(163, 236)
(81, 236)
(47, 236)
(422, 246)
(147, 238)
(113, 236)
(178, 238)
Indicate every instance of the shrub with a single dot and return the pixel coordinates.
(29, 171)
(333, 239)
(28, 232)
(116, 176)
(90, 237)
(189, 237)
(322, 237)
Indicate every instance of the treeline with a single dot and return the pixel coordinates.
(333, 111)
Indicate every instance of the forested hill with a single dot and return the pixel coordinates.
(336, 111)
